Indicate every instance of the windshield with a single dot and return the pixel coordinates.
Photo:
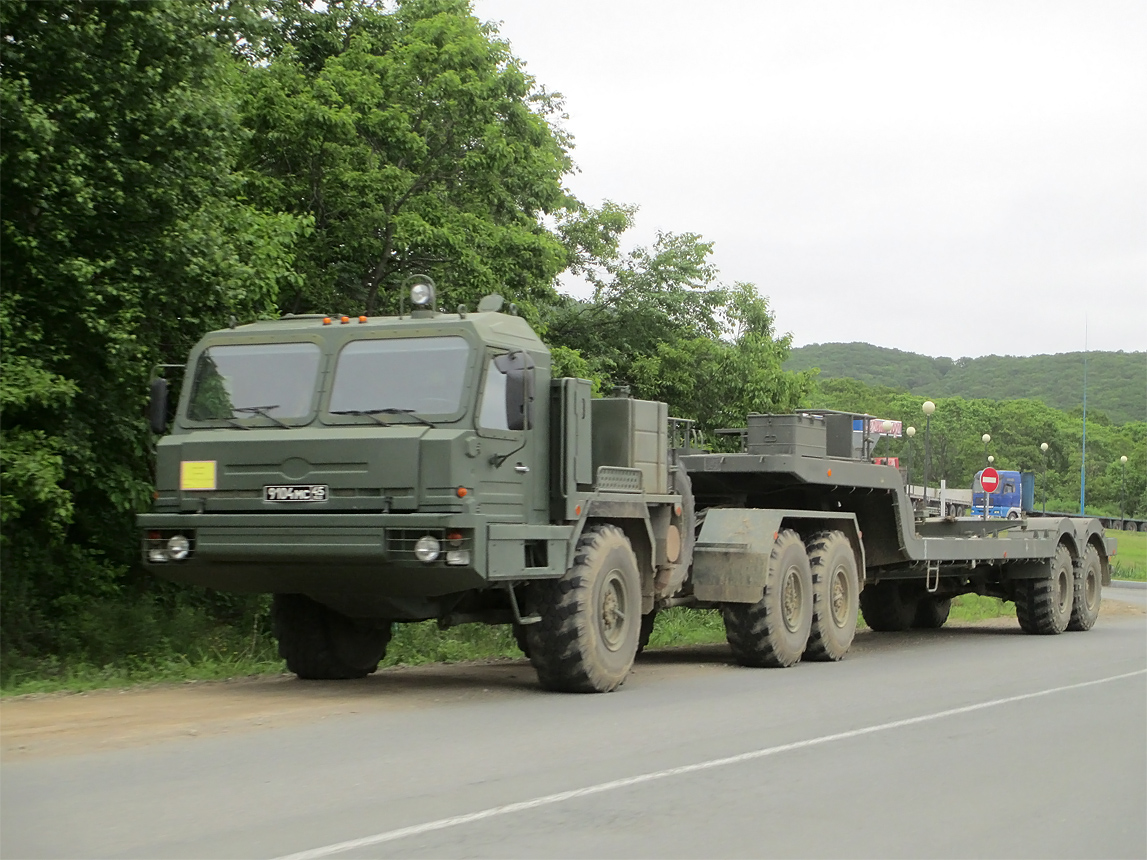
(420, 375)
(245, 380)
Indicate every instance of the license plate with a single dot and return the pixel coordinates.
(296, 493)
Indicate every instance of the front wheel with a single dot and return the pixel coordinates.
(774, 631)
(591, 617)
(320, 644)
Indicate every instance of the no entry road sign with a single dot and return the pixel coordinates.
(990, 480)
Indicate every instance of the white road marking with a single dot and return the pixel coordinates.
(600, 788)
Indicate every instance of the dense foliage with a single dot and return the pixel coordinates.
(1116, 381)
(1017, 428)
(168, 166)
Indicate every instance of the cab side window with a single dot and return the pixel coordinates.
(492, 412)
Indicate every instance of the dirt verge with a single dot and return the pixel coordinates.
(62, 724)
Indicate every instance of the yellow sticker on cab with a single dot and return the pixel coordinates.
(197, 475)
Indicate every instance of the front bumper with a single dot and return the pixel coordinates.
(310, 553)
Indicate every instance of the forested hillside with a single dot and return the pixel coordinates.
(1116, 381)
(1017, 429)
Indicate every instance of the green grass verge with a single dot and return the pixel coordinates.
(224, 655)
(1130, 560)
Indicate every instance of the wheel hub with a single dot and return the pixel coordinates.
(791, 599)
(614, 610)
(839, 598)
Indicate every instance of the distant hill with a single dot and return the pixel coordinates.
(1116, 381)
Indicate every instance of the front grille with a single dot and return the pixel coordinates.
(400, 542)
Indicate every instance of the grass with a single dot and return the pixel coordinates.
(1130, 561)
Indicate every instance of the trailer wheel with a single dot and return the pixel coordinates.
(1044, 605)
(1088, 582)
(888, 607)
(591, 617)
(836, 595)
(932, 612)
(320, 644)
(646, 630)
(773, 631)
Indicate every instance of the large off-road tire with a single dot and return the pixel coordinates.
(1088, 595)
(320, 644)
(932, 612)
(1044, 605)
(836, 595)
(591, 617)
(773, 631)
(646, 631)
(888, 606)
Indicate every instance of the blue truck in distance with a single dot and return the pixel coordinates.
(1015, 495)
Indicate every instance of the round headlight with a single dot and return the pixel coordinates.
(421, 294)
(178, 547)
(426, 549)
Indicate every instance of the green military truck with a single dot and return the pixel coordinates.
(373, 471)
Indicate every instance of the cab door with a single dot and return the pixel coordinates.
(508, 451)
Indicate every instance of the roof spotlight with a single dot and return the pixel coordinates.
(422, 295)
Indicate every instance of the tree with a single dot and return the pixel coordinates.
(124, 237)
(660, 322)
(417, 144)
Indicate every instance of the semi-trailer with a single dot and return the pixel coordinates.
(374, 471)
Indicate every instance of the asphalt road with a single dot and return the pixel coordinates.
(950, 743)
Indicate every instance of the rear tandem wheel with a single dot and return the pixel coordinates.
(836, 595)
(1044, 605)
(773, 631)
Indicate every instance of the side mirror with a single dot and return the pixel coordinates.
(157, 406)
(519, 370)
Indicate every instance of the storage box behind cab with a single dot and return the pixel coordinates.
(803, 435)
(631, 434)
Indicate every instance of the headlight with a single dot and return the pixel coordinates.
(178, 547)
(426, 549)
(421, 295)
(458, 556)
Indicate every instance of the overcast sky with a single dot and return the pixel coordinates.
(946, 178)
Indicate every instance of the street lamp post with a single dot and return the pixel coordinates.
(1043, 450)
(986, 438)
(910, 432)
(928, 408)
(1122, 490)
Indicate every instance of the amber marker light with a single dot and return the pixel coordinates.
(462, 491)
(829, 473)
(344, 320)
(326, 320)
(362, 319)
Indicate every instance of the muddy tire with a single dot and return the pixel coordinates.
(774, 631)
(932, 612)
(1044, 605)
(836, 595)
(320, 644)
(888, 606)
(646, 631)
(1088, 594)
(591, 617)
